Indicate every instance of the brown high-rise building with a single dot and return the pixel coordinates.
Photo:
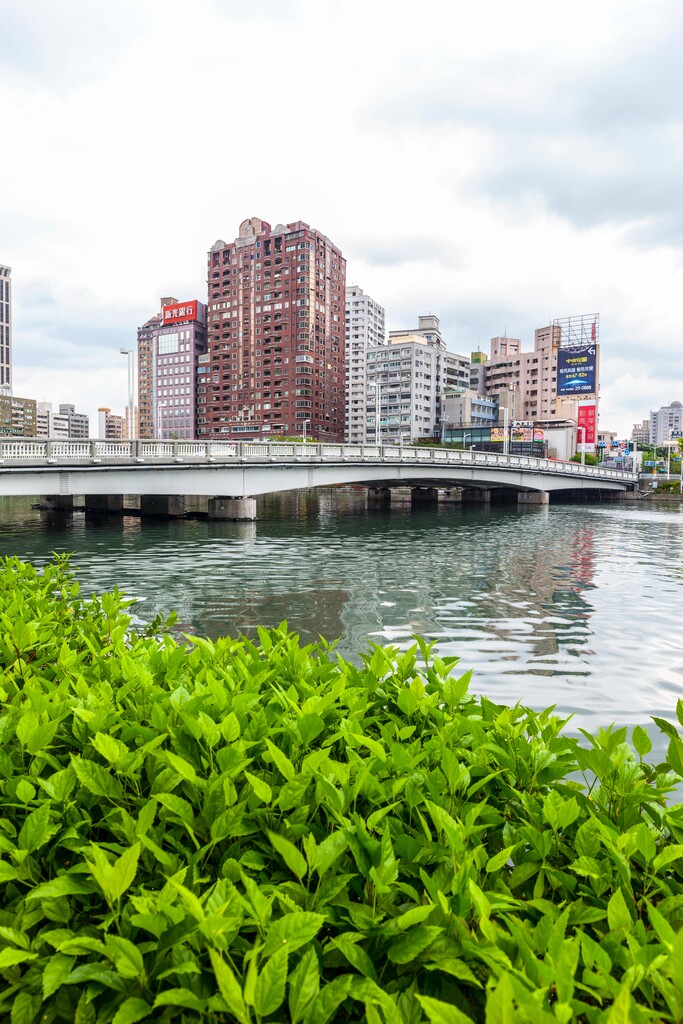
(276, 335)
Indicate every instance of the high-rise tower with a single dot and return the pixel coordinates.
(5, 330)
(276, 335)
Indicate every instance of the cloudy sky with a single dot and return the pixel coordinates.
(497, 164)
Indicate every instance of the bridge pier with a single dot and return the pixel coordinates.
(56, 502)
(480, 495)
(533, 498)
(239, 510)
(379, 495)
(424, 495)
(170, 506)
(102, 504)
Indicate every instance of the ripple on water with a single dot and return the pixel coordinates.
(573, 605)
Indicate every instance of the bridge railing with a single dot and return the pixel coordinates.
(58, 451)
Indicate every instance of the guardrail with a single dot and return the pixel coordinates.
(24, 452)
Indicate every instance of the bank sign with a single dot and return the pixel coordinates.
(180, 312)
(576, 370)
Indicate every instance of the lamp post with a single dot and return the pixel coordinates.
(305, 423)
(506, 446)
(130, 353)
(583, 444)
(160, 419)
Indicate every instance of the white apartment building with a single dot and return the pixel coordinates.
(402, 390)
(50, 423)
(5, 330)
(364, 330)
(666, 423)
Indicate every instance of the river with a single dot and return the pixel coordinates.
(575, 605)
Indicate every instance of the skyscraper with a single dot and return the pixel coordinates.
(5, 330)
(276, 335)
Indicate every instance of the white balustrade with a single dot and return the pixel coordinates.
(63, 451)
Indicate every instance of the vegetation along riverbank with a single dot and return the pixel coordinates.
(262, 832)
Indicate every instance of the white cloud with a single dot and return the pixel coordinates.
(491, 163)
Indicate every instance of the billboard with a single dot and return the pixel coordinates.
(180, 312)
(518, 434)
(587, 426)
(577, 370)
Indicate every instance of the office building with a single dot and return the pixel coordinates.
(78, 424)
(276, 326)
(364, 329)
(169, 345)
(666, 424)
(5, 330)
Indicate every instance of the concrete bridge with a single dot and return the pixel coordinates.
(231, 475)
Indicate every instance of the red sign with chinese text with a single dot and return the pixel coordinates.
(587, 424)
(180, 312)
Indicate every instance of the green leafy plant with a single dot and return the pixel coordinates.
(230, 831)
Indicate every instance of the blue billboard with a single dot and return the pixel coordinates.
(576, 370)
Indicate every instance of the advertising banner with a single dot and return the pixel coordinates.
(180, 312)
(587, 424)
(576, 370)
(524, 434)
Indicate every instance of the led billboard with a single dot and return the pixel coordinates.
(577, 370)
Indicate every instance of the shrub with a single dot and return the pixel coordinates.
(249, 832)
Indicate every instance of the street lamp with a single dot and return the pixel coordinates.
(583, 444)
(131, 390)
(160, 419)
(305, 423)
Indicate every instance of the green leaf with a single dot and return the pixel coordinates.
(439, 1012)
(292, 931)
(618, 915)
(304, 984)
(496, 862)
(180, 997)
(260, 788)
(184, 769)
(132, 1010)
(641, 741)
(96, 779)
(85, 1011)
(12, 957)
(37, 829)
(114, 879)
(675, 755)
(667, 856)
(229, 987)
(25, 1007)
(355, 954)
(269, 993)
(282, 762)
(109, 747)
(125, 955)
(410, 944)
(56, 971)
(293, 858)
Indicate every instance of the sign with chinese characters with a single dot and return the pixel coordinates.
(587, 426)
(576, 370)
(180, 312)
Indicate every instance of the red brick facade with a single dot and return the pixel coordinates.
(276, 336)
